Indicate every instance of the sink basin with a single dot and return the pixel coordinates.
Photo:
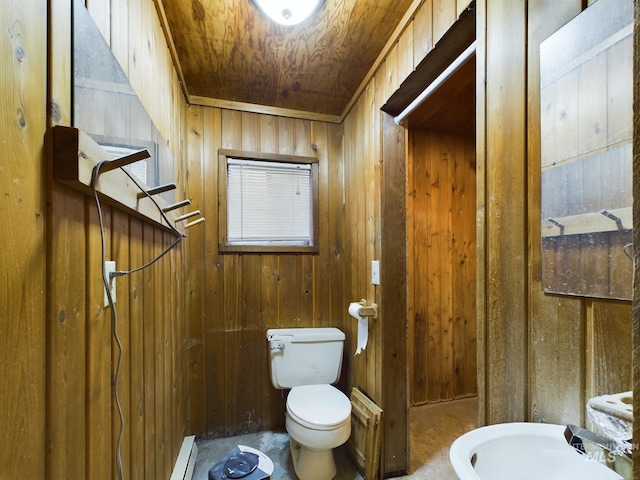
(522, 451)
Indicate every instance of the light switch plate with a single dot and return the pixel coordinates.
(375, 272)
(110, 266)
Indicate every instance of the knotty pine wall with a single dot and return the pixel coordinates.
(234, 298)
(81, 347)
(58, 352)
(442, 266)
(22, 256)
(375, 161)
(540, 356)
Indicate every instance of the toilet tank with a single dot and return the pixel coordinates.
(304, 356)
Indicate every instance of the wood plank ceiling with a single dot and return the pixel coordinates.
(227, 50)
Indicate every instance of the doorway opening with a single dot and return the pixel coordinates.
(441, 271)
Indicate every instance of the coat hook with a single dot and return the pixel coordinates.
(123, 161)
(173, 206)
(187, 215)
(611, 216)
(156, 190)
(557, 224)
(195, 222)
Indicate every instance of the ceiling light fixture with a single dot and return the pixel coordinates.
(288, 12)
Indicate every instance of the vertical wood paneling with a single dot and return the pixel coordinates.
(98, 337)
(25, 316)
(337, 248)
(82, 420)
(372, 234)
(444, 15)
(196, 356)
(482, 275)
(135, 52)
(321, 269)
(136, 332)
(356, 202)
(620, 90)
(304, 263)
(251, 336)
(212, 313)
(608, 361)
(436, 241)
(506, 210)
(422, 32)
(391, 68)
(120, 254)
(120, 34)
(376, 379)
(442, 266)
(66, 355)
(405, 53)
(156, 275)
(237, 297)
(100, 12)
(468, 262)
(393, 297)
(66, 346)
(557, 362)
(149, 325)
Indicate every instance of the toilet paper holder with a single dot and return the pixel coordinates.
(370, 310)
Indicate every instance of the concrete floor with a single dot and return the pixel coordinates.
(432, 430)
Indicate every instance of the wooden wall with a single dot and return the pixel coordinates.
(442, 250)
(541, 357)
(374, 151)
(59, 352)
(234, 298)
(22, 256)
(82, 349)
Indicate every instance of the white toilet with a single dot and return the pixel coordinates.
(318, 417)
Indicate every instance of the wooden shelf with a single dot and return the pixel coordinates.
(619, 219)
(75, 154)
(455, 41)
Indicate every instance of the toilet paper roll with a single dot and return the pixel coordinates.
(363, 326)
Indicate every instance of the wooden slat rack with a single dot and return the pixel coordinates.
(75, 154)
(618, 219)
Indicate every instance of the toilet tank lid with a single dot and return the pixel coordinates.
(305, 334)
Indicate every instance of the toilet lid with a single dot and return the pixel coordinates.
(318, 405)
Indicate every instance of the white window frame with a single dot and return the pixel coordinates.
(225, 157)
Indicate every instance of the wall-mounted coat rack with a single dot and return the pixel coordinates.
(76, 154)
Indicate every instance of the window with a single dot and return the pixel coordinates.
(268, 203)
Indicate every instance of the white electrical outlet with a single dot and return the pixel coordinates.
(375, 272)
(110, 266)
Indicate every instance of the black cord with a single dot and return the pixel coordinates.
(107, 285)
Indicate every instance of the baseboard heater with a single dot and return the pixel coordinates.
(186, 461)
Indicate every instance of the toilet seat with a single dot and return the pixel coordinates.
(320, 407)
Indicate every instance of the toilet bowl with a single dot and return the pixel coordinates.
(318, 419)
(307, 361)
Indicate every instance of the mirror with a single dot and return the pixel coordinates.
(586, 92)
(107, 109)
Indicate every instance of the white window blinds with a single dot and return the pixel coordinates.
(268, 202)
